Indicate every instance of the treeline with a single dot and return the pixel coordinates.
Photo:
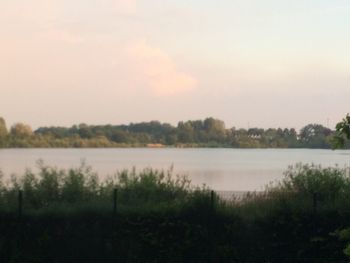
(210, 132)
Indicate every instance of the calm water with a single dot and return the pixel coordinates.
(220, 169)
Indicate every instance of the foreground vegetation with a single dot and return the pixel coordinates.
(199, 133)
(71, 216)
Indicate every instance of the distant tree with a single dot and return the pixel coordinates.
(120, 136)
(142, 138)
(85, 131)
(232, 137)
(215, 130)
(21, 131)
(315, 136)
(56, 132)
(3, 129)
(185, 132)
(291, 137)
(171, 139)
(3, 132)
(269, 138)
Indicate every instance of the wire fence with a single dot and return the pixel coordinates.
(17, 238)
(227, 196)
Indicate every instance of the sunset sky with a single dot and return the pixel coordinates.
(251, 63)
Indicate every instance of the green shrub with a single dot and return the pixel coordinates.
(309, 179)
(305, 187)
(54, 187)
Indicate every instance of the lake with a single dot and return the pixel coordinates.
(220, 169)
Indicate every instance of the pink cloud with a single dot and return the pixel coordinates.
(38, 11)
(160, 71)
(64, 36)
(128, 7)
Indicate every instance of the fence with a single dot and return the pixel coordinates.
(115, 231)
(229, 196)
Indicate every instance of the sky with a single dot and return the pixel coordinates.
(250, 63)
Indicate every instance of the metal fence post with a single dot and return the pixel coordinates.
(20, 204)
(210, 230)
(212, 202)
(115, 195)
(114, 224)
(314, 201)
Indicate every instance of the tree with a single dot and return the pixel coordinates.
(21, 131)
(315, 136)
(84, 131)
(3, 132)
(185, 132)
(291, 137)
(342, 133)
(120, 136)
(215, 129)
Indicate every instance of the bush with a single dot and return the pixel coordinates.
(51, 186)
(309, 179)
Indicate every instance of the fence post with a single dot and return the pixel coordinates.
(15, 246)
(212, 201)
(20, 204)
(314, 201)
(114, 224)
(210, 230)
(115, 195)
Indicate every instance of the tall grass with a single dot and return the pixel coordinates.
(54, 189)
